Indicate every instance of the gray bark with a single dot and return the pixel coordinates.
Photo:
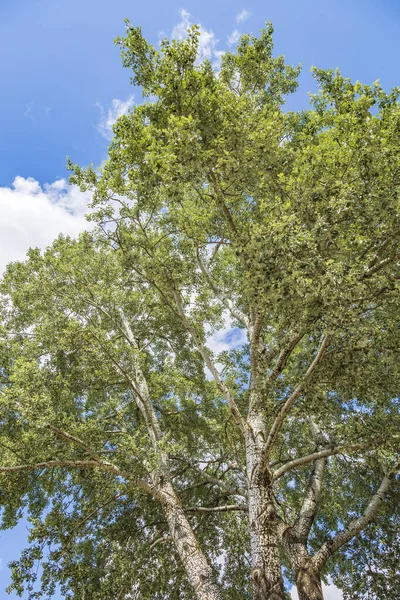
(308, 583)
(307, 576)
(198, 570)
(267, 581)
(311, 499)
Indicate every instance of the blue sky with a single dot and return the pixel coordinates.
(58, 61)
(62, 86)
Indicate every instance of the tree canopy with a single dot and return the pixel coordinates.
(155, 463)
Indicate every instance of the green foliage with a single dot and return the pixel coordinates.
(211, 190)
(369, 567)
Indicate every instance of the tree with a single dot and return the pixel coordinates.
(152, 466)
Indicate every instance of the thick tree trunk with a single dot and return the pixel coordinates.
(308, 583)
(266, 563)
(267, 578)
(307, 577)
(198, 571)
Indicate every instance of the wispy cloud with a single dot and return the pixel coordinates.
(242, 16)
(108, 117)
(234, 37)
(180, 30)
(207, 41)
(28, 112)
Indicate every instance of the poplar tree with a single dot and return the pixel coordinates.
(152, 465)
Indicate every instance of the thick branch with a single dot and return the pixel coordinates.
(195, 563)
(357, 525)
(308, 510)
(276, 426)
(304, 460)
(224, 508)
(140, 385)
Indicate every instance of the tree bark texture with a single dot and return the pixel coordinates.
(308, 583)
(267, 581)
(307, 576)
(199, 572)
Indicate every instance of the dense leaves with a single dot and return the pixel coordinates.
(244, 274)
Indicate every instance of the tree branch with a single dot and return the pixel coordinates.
(80, 464)
(94, 512)
(227, 302)
(304, 460)
(161, 540)
(357, 525)
(284, 356)
(83, 464)
(302, 527)
(74, 440)
(225, 508)
(255, 345)
(206, 357)
(276, 426)
(308, 510)
(377, 267)
(233, 491)
(219, 197)
(138, 383)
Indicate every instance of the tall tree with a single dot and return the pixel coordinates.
(150, 464)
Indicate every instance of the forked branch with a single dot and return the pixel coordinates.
(276, 426)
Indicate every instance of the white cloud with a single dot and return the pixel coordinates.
(109, 117)
(234, 37)
(226, 337)
(242, 16)
(34, 215)
(331, 592)
(207, 41)
(180, 30)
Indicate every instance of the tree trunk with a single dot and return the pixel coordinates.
(267, 581)
(198, 571)
(307, 577)
(308, 583)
